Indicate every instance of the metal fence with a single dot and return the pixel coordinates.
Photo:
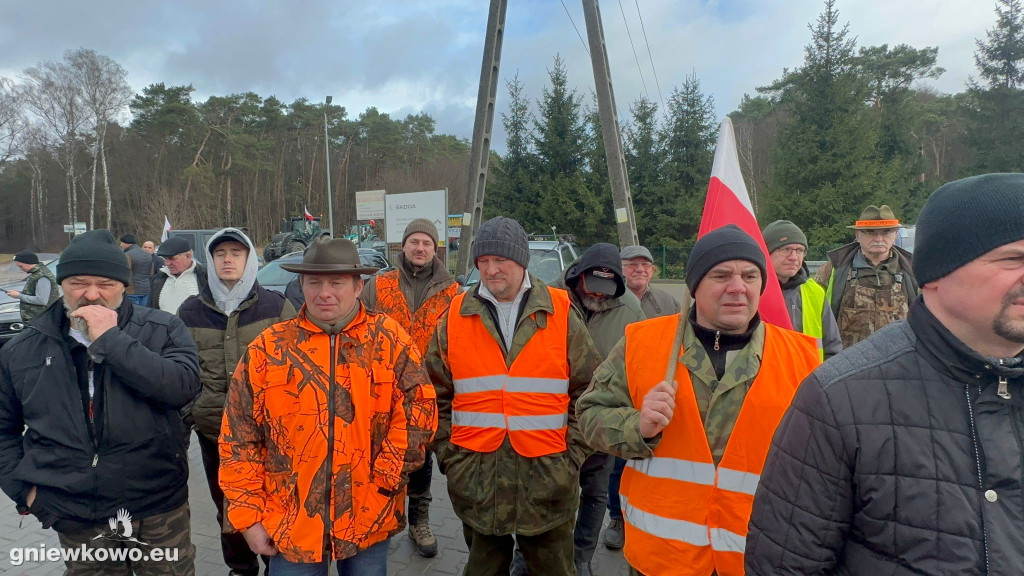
(671, 260)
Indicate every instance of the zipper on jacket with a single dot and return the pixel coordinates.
(977, 464)
(1003, 392)
(328, 524)
(718, 335)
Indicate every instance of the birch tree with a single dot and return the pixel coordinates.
(106, 94)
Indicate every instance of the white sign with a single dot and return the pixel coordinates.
(370, 205)
(404, 208)
(77, 228)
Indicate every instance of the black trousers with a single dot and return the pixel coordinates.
(237, 554)
(419, 491)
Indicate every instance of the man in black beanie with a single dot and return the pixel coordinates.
(508, 362)
(90, 435)
(904, 454)
(40, 288)
(686, 487)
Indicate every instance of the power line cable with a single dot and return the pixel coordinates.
(635, 57)
(649, 55)
(575, 28)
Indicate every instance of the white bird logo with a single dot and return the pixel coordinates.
(120, 527)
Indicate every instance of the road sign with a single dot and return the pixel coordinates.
(404, 208)
(370, 205)
(76, 228)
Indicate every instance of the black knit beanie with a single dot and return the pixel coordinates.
(782, 233)
(26, 257)
(420, 225)
(966, 218)
(721, 245)
(94, 253)
(502, 237)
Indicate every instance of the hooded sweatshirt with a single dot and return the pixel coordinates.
(227, 300)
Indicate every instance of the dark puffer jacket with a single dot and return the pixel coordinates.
(897, 457)
(134, 455)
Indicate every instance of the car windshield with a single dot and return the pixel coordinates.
(544, 264)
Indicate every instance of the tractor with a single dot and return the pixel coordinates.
(296, 234)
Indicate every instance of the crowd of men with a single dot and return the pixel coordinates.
(881, 435)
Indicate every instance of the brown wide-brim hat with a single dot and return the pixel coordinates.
(876, 218)
(327, 256)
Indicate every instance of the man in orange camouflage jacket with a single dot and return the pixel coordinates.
(416, 294)
(326, 416)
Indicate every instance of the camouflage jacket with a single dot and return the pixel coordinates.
(502, 492)
(286, 463)
(611, 423)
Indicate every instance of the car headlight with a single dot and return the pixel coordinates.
(10, 307)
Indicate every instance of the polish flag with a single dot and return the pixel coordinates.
(167, 228)
(728, 203)
(307, 215)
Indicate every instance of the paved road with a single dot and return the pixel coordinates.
(402, 559)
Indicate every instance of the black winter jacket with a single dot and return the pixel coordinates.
(145, 369)
(896, 457)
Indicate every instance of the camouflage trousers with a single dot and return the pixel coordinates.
(547, 554)
(169, 532)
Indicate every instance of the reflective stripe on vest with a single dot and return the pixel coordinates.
(420, 324)
(683, 515)
(812, 302)
(527, 401)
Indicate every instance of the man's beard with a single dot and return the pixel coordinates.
(1003, 326)
(595, 304)
(80, 324)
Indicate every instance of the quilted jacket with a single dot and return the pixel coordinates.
(899, 456)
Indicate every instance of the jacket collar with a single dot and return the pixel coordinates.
(949, 354)
(536, 300)
(308, 325)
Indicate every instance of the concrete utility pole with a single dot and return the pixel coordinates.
(481, 148)
(622, 201)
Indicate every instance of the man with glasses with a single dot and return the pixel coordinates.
(638, 269)
(787, 246)
(869, 282)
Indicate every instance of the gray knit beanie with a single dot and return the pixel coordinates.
(964, 219)
(502, 237)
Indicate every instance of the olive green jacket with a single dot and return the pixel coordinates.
(222, 341)
(502, 492)
(611, 422)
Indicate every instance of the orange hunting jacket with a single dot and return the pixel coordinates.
(277, 466)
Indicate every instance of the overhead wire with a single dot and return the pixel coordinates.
(649, 55)
(635, 57)
(575, 28)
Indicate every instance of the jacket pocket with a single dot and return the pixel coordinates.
(282, 504)
(552, 478)
(471, 475)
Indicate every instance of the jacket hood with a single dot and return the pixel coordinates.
(228, 300)
(601, 255)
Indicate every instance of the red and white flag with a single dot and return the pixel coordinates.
(307, 215)
(167, 228)
(728, 203)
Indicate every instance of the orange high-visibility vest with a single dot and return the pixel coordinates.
(420, 324)
(528, 401)
(683, 515)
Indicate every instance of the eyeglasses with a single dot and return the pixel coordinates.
(879, 233)
(789, 251)
(635, 265)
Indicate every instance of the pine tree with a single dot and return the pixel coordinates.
(644, 162)
(687, 141)
(997, 125)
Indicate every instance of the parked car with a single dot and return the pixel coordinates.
(10, 309)
(273, 277)
(905, 237)
(548, 260)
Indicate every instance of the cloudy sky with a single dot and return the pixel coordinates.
(407, 56)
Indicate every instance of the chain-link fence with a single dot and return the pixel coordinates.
(671, 260)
